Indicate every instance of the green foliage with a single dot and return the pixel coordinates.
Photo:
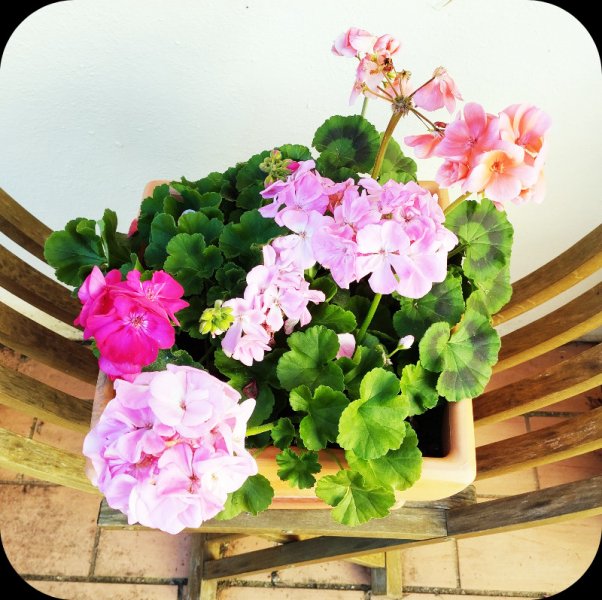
(310, 360)
(346, 142)
(445, 302)
(400, 468)
(396, 165)
(283, 433)
(253, 497)
(298, 469)
(355, 501)
(172, 357)
(371, 426)
(323, 408)
(465, 357)
(419, 386)
(74, 251)
(486, 234)
(334, 317)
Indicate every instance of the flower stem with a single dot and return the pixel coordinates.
(368, 319)
(364, 106)
(425, 119)
(419, 88)
(378, 163)
(456, 202)
(260, 429)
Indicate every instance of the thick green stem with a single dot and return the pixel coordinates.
(260, 428)
(456, 202)
(364, 106)
(362, 332)
(378, 163)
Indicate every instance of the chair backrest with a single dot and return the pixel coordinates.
(36, 347)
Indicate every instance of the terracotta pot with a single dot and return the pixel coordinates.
(440, 478)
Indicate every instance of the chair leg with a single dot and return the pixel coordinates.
(387, 581)
(199, 588)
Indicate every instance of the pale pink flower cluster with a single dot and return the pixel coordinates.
(376, 75)
(276, 296)
(392, 233)
(169, 448)
(501, 156)
(129, 320)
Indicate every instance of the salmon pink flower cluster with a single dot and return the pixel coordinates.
(169, 448)
(129, 320)
(500, 156)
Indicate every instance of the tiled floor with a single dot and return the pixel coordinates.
(51, 538)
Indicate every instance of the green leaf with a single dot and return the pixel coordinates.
(487, 235)
(497, 291)
(295, 152)
(74, 251)
(396, 165)
(249, 198)
(198, 222)
(189, 317)
(465, 358)
(349, 141)
(364, 359)
(400, 468)
(150, 207)
(334, 317)
(212, 183)
(163, 229)
(191, 262)
(309, 361)
(373, 425)
(264, 404)
(250, 173)
(323, 408)
(354, 500)
(246, 238)
(253, 497)
(445, 302)
(115, 245)
(283, 433)
(172, 357)
(419, 386)
(298, 469)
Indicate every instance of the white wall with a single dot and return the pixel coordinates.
(98, 97)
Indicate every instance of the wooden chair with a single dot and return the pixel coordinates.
(316, 537)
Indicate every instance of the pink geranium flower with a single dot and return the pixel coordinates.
(524, 125)
(425, 144)
(440, 91)
(163, 474)
(346, 345)
(501, 173)
(354, 41)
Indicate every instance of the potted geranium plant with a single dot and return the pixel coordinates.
(302, 308)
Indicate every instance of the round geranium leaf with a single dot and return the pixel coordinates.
(354, 500)
(400, 468)
(254, 496)
(298, 469)
(349, 141)
(486, 234)
(396, 165)
(419, 386)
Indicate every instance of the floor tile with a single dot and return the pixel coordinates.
(264, 593)
(17, 422)
(106, 591)
(52, 532)
(548, 558)
(59, 437)
(418, 565)
(570, 469)
(142, 554)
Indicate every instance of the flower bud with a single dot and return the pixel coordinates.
(216, 320)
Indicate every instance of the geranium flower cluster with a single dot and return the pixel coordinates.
(129, 320)
(393, 232)
(501, 155)
(276, 296)
(169, 448)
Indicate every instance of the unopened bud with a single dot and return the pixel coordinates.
(216, 320)
(405, 342)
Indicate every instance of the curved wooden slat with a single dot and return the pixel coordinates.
(44, 462)
(27, 283)
(28, 395)
(572, 320)
(568, 438)
(21, 226)
(563, 380)
(36, 341)
(569, 268)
